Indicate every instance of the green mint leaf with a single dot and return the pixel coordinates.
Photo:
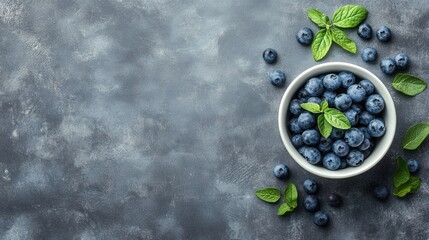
(408, 84)
(291, 195)
(415, 183)
(324, 105)
(415, 135)
(341, 39)
(402, 174)
(284, 208)
(268, 194)
(321, 44)
(324, 127)
(402, 190)
(319, 18)
(311, 107)
(336, 118)
(349, 16)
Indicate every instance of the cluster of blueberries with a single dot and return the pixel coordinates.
(360, 104)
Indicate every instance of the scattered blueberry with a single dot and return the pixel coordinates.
(354, 137)
(365, 31)
(381, 192)
(306, 120)
(343, 101)
(304, 36)
(311, 203)
(388, 65)
(325, 144)
(277, 78)
(297, 141)
(356, 92)
(321, 218)
(368, 86)
(334, 200)
(376, 128)
(329, 96)
(270, 55)
(310, 186)
(337, 133)
(314, 87)
(281, 171)
(374, 104)
(331, 161)
(311, 154)
(401, 61)
(340, 148)
(293, 126)
(311, 136)
(355, 158)
(347, 79)
(413, 165)
(295, 107)
(384, 34)
(332, 81)
(369, 54)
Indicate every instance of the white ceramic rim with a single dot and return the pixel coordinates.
(389, 116)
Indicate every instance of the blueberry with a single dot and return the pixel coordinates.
(388, 65)
(332, 81)
(356, 92)
(369, 54)
(355, 158)
(311, 154)
(343, 101)
(294, 127)
(314, 100)
(365, 31)
(306, 120)
(295, 107)
(311, 137)
(281, 171)
(413, 165)
(311, 203)
(401, 61)
(334, 200)
(367, 152)
(314, 87)
(340, 148)
(270, 55)
(310, 186)
(297, 141)
(337, 133)
(354, 137)
(384, 34)
(331, 161)
(381, 192)
(374, 104)
(329, 96)
(368, 86)
(365, 145)
(365, 117)
(343, 163)
(357, 107)
(325, 144)
(277, 78)
(304, 36)
(376, 128)
(347, 79)
(365, 131)
(302, 149)
(352, 115)
(321, 218)
(303, 95)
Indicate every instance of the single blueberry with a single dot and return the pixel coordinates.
(314, 100)
(325, 144)
(381, 192)
(277, 78)
(401, 61)
(332, 81)
(365, 131)
(337, 133)
(376, 128)
(270, 55)
(413, 165)
(304, 36)
(356, 92)
(310, 186)
(294, 127)
(297, 141)
(311, 137)
(355, 158)
(295, 107)
(357, 107)
(334, 200)
(303, 95)
(302, 149)
(374, 104)
(343, 101)
(311, 154)
(314, 87)
(347, 79)
(311, 203)
(343, 163)
(384, 34)
(365, 117)
(352, 115)
(365, 31)
(368, 86)
(365, 145)
(306, 120)
(281, 171)
(331, 161)
(388, 65)
(369, 54)
(354, 137)
(321, 218)
(340, 148)
(329, 96)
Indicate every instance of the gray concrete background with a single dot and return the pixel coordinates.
(153, 119)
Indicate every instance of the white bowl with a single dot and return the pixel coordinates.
(382, 145)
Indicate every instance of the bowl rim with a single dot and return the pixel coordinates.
(390, 119)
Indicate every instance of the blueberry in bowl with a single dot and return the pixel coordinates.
(362, 105)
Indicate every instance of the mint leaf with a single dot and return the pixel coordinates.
(415, 135)
(311, 107)
(336, 118)
(408, 84)
(402, 174)
(349, 16)
(324, 127)
(341, 39)
(321, 44)
(268, 194)
(291, 195)
(324, 105)
(284, 208)
(415, 183)
(402, 190)
(318, 17)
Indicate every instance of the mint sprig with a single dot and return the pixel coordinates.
(272, 195)
(403, 182)
(348, 16)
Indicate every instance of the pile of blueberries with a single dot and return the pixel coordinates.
(361, 105)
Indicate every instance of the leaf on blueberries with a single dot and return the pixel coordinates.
(402, 174)
(284, 208)
(291, 195)
(321, 44)
(415, 135)
(408, 84)
(336, 118)
(324, 127)
(341, 39)
(349, 16)
(311, 107)
(268, 194)
(319, 18)
(324, 105)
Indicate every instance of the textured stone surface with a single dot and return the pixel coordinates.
(153, 119)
